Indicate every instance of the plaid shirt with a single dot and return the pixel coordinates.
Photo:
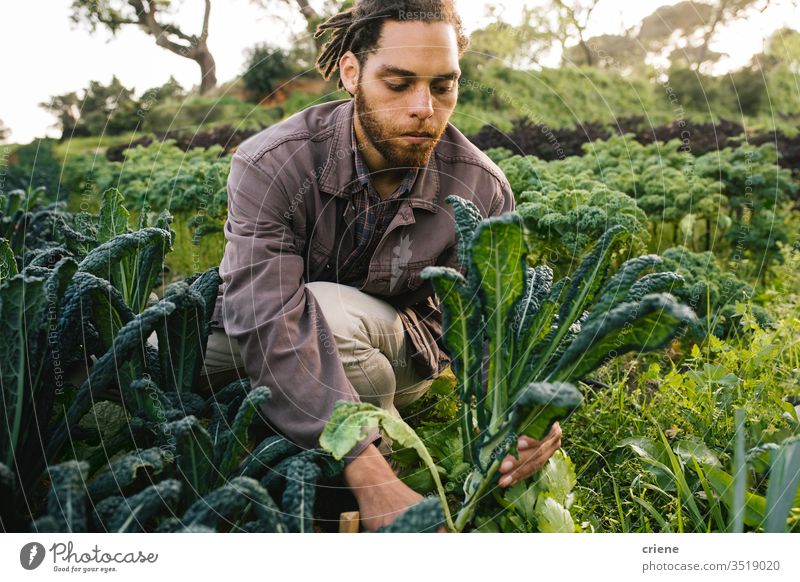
(373, 216)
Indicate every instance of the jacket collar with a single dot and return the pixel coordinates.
(339, 174)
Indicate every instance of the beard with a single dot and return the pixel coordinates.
(386, 137)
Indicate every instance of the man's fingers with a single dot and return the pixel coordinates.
(508, 463)
(530, 460)
(525, 442)
(529, 466)
(527, 446)
(526, 458)
(535, 460)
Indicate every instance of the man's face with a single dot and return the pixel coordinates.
(409, 85)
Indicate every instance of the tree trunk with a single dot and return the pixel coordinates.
(588, 52)
(208, 70)
(313, 18)
(197, 48)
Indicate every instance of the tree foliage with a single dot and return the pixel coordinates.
(101, 109)
(681, 32)
(267, 66)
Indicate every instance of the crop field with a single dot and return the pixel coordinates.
(645, 296)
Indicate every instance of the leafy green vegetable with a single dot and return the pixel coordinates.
(423, 517)
(552, 517)
(269, 452)
(225, 507)
(232, 445)
(712, 291)
(567, 219)
(784, 484)
(23, 306)
(195, 457)
(183, 337)
(8, 264)
(298, 497)
(66, 500)
(539, 337)
(113, 217)
(122, 475)
(131, 262)
(132, 514)
(539, 405)
(350, 423)
(543, 505)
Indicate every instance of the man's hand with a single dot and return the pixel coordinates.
(381, 496)
(533, 455)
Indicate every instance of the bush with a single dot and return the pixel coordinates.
(267, 66)
(197, 113)
(32, 165)
(102, 109)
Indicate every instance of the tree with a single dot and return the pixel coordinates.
(516, 46)
(266, 66)
(4, 131)
(689, 27)
(614, 51)
(572, 18)
(784, 47)
(681, 33)
(67, 109)
(313, 16)
(149, 16)
(172, 89)
(103, 109)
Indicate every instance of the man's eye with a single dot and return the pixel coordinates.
(448, 89)
(394, 87)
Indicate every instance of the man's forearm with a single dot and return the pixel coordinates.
(380, 494)
(368, 471)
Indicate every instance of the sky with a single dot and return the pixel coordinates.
(45, 54)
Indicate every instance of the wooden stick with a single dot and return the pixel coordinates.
(348, 522)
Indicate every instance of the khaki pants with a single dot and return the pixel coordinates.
(369, 337)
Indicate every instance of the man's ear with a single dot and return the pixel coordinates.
(349, 71)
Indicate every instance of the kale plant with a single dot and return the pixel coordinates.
(519, 342)
(131, 445)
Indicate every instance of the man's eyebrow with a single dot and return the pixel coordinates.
(400, 72)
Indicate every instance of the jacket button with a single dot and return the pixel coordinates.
(327, 266)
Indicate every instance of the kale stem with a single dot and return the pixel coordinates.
(467, 511)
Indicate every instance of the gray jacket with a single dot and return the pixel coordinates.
(288, 218)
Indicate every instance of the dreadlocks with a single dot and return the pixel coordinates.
(358, 29)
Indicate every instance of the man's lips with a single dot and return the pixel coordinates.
(417, 137)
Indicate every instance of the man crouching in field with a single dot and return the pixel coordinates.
(332, 215)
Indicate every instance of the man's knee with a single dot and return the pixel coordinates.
(332, 300)
(407, 395)
(353, 315)
(373, 378)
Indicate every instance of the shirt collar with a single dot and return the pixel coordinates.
(363, 173)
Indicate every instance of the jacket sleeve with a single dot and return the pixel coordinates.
(284, 340)
(505, 201)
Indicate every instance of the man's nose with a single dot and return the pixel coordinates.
(421, 103)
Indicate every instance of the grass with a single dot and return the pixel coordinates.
(693, 400)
